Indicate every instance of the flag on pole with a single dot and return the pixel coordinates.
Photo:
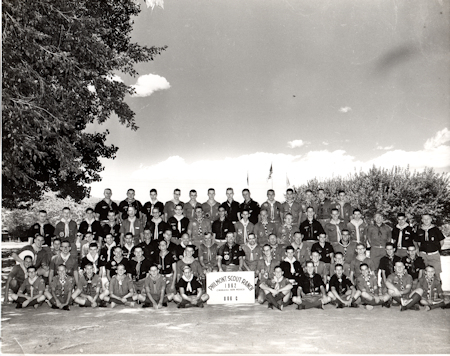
(153, 3)
(288, 184)
(270, 173)
(248, 185)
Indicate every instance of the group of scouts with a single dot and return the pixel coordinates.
(307, 253)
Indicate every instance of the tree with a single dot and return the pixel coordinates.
(59, 61)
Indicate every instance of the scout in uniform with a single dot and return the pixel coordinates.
(190, 292)
(207, 254)
(250, 205)
(264, 270)
(124, 205)
(263, 229)
(414, 264)
(88, 290)
(286, 231)
(121, 289)
(325, 251)
(403, 236)
(345, 246)
(43, 228)
(17, 276)
(198, 227)
(273, 207)
(169, 207)
(231, 206)
(31, 292)
(155, 287)
(243, 228)
(311, 290)
(167, 265)
(432, 293)
(253, 253)
(221, 227)
(277, 290)
(104, 206)
(367, 284)
(341, 290)
(311, 228)
(211, 206)
(139, 267)
(61, 289)
(230, 257)
(387, 264)
(292, 207)
(292, 269)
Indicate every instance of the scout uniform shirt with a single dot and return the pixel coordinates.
(230, 254)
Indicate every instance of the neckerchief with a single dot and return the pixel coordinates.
(200, 230)
(400, 235)
(367, 279)
(179, 218)
(338, 230)
(245, 229)
(426, 231)
(64, 259)
(277, 282)
(291, 263)
(90, 222)
(430, 285)
(132, 220)
(89, 283)
(93, 260)
(357, 223)
(109, 249)
(188, 287)
(41, 228)
(400, 279)
(66, 227)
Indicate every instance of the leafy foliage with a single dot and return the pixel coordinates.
(59, 59)
(390, 191)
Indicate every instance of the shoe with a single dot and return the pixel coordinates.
(66, 307)
(145, 305)
(427, 308)
(300, 307)
(164, 304)
(403, 309)
(201, 305)
(48, 303)
(395, 303)
(339, 306)
(102, 304)
(354, 305)
(36, 306)
(270, 306)
(280, 307)
(180, 306)
(416, 307)
(369, 307)
(54, 306)
(386, 305)
(19, 306)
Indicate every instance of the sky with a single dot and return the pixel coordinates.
(313, 88)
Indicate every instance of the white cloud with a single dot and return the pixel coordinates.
(296, 143)
(345, 109)
(225, 172)
(385, 147)
(114, 78)
(325, 143)
(147, 84)
(440, 138)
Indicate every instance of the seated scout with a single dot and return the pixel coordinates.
(188, 259)
(121, 289)
(116, 260)
(230, 257)
(139, 267)
(311, 290)
(155, 287)
(31, 292)
(386, 266)
(61, 289)
(292, 269)
(341, 290)
(399, 286)
(264, 271)
(367, 284)
(319, 267)
(339, 259)
(414, 264)
(432, 293)
(88, 290)
(277, 290)
(17, 276)
(190, 292)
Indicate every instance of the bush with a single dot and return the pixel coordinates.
(390, 191)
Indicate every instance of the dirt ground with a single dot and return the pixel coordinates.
(223, 329)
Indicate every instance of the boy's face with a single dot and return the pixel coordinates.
(89, 270)
(163, 245)
(360, 250)
(147, 235)
(56, 245)
(429, 271)
(155, 213)
(65, 247)
(399, 267)
(339, 271)
(272, 240)
(339, 259)
(121, 270)
(89, 214)
(288, 219)
(117, 252)
(66, 214)
(252, 240)
(412, 252)
(290, 254)
(31, 273)
(61, 271)
(131, 211)
(178, 210)
(322, 238)
(390, 251)
(138, 252)
(315, 256)
(365, 271)
(111, 216)
(27, 262)
(187, 272)
(266, 251)
(188, 251)
(109, 239)
(128, 239)
(93, 250)
(154, 271)
(310, 268)
(345, 236)
(89, 237)
(199, 213)
(278, 272)
(297, 238)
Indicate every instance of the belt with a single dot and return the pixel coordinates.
(167, 275)
(430, 253)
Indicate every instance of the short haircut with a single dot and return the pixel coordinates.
(28, 256)
(34, 267)
(309, 262)
(66, 208)
(88, 264)
(338, 265)
(360, 244)
(179, 205)
(341, 191)
(308, 191)
(251, 234)
(211, 190)
(335, 209)
(93, 244)
(321, 189)
(245, 190)
(345, 230)
(266, 245)
(42, 211)
(270, 190)
(131, 190)
(290, 248)
(289, 190)
(338, 253)
(65, 242)
(56, 239)
(229, 189)
(199, 207)
(153, 190)
(176, 190)
(390, 244)
(89, 210)
(363, 265)
(192, 191)
(246, 210)
(401, 215)
(356, 211)
(128, 234)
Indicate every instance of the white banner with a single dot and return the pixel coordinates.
(230, 287)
